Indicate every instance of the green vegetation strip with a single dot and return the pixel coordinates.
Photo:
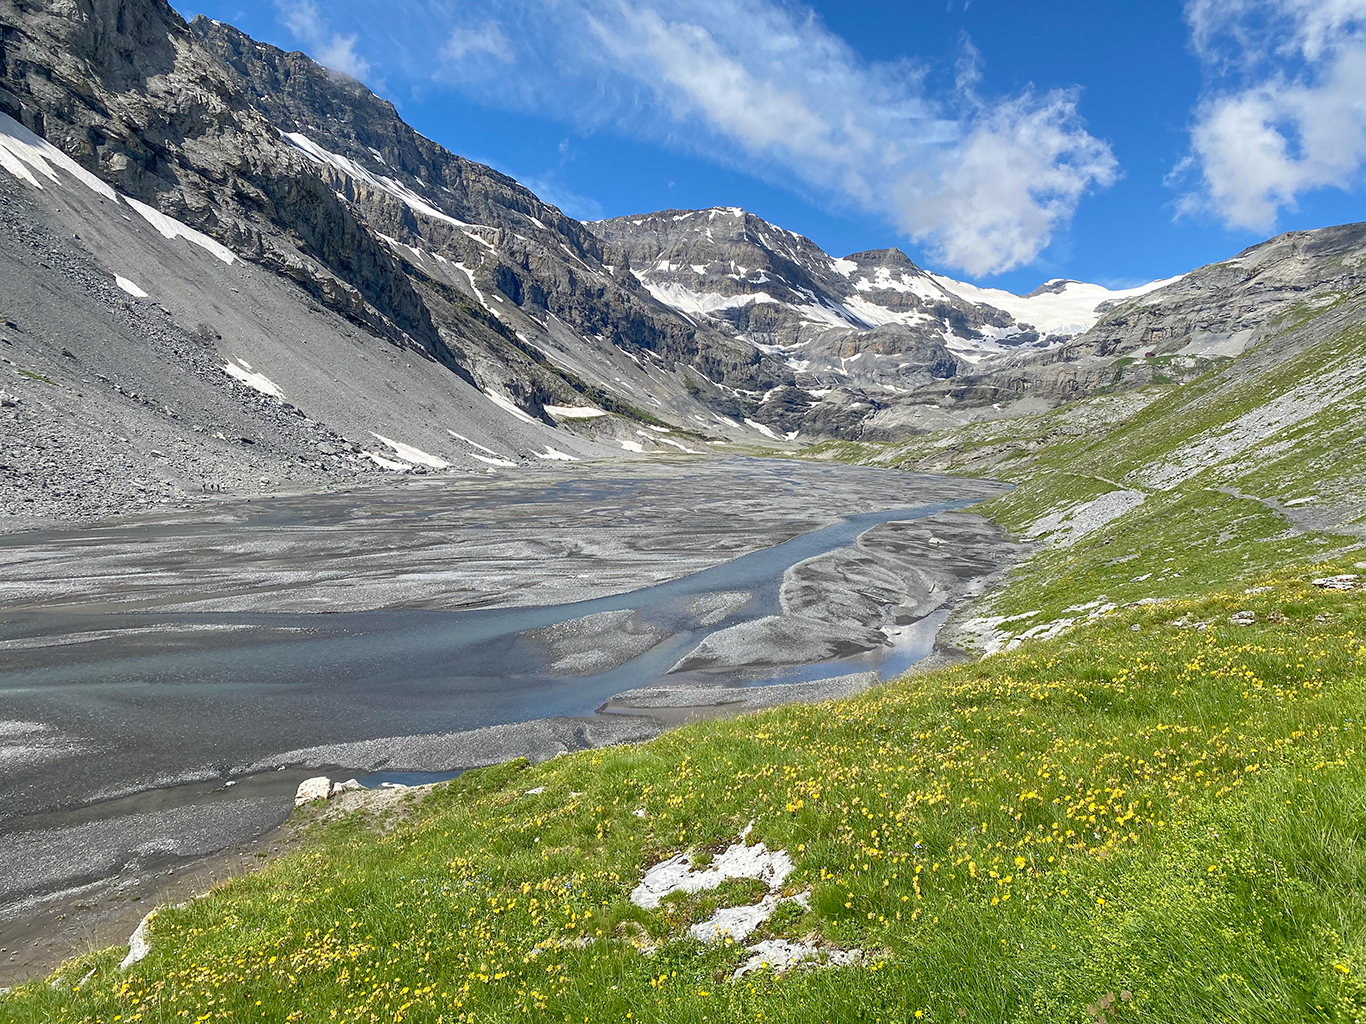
(1154, 818)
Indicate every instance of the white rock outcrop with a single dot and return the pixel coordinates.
(138, 946)
(780, 955)
(737, 861)
(738, 923)
(318, 788)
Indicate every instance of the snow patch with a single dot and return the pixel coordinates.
(631, 446)
(494, 461)
(555, 455)
(129, 287)
(408, 453)
(575, 412)
(762, 429)
(685, 300)
(389, 464)
(681, 447)
(22, 152)
(170, 228)
(508, 406)
(492, 458)
(473, 444)
(349, 167)
(1070, 310)
(240, 369)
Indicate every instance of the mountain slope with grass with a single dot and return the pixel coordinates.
(1168, 490)
(1144, 816)
(1146, 805)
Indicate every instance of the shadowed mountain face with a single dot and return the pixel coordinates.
(514, 332)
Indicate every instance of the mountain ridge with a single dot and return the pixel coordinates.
(586, 339)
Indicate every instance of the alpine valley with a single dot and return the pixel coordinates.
(656, 617)
(274, 249)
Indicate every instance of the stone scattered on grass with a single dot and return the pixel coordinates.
(320, 787)
(138, 946)
(1243, 618)
(737, 861)
(780, 955)
(1345, 581)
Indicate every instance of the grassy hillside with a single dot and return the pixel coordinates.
(1156, 815)
(1256, 465)
(1143, 807)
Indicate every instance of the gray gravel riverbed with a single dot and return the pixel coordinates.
(147, 662)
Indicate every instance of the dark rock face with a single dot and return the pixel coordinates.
(1212, 314)
(123, 88)
(525, 249)
(309, 174)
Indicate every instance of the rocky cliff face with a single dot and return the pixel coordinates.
(1226, 308)
(415, 195)
(1193, 324)
(310, 175)
(123, 89)
(877, 345)
(779, 291)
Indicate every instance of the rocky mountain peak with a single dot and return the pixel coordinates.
(1054, 287)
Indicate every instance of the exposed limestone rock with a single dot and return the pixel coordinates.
(781, 955)
(138, 946)
(317, 788)
(737, 861)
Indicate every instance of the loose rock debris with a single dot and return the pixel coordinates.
(780, 955)
(1346, 581)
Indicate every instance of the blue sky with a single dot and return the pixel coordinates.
(1002, 141)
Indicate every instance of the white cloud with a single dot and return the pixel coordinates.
(487, 39)
(765, 86)
(330, 49)
(1021, 170)
(1286, 110)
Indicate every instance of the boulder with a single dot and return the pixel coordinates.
(319, 788)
